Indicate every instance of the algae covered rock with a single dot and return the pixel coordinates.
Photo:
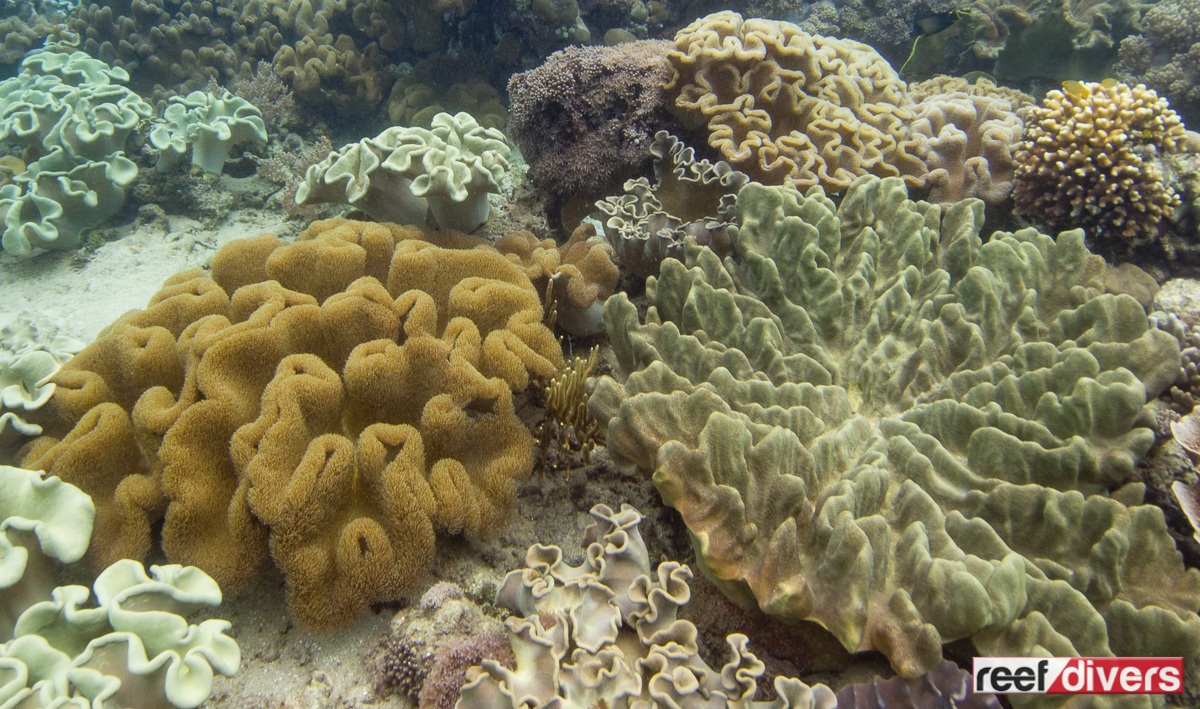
(875, 421)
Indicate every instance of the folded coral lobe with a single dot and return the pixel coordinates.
(318, 417)
(873, 420)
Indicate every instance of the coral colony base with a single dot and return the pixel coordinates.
(299, 295)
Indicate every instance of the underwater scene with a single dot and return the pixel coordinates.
(599, 354)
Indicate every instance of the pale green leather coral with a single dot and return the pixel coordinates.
(28, 359)
(133, 649)
(65, 108)
(210, 124)
(40, 519)
(874, 421)
(606, 634)
(404, 172)
(453, 166)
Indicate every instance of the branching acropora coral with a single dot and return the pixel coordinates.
(1085, 160)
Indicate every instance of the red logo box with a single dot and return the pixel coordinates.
(1078, 675)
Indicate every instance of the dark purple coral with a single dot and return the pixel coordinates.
(453, 658)
(945, 687)
(584, 120)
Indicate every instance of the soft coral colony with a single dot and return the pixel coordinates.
(866, 415)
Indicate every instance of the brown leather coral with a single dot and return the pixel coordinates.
(338, 430)
(785, 105)
(582, 271)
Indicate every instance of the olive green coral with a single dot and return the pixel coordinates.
(877, 422)
(66, 109)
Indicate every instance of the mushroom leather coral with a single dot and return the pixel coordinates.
(337, 422)
(785, 105)
(582, 271)
(873, 420)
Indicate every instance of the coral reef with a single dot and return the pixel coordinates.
(21, 34)
(1084, 160)
(329, 51)
(287, 167)
(966, 140)
(783, 105)
(266, 92)
(70, 115)
(690, 198)
(606, 633)
(28, 359)
(134, 647)
(1184, 393)
(576, 277)
(872, 412)
(208, 124)
(165, 45)
(336, 416)
(404, 172)
(332, 72)
(1166, 55)
(584, 120)
(568, 425)
(1076, 25)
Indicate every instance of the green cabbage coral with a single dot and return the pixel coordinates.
(66, 109)
(29, 358)
(404, 173)
(210, 124)
(874, 421)
(133, 649)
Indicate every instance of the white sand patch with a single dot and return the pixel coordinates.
(80, 297)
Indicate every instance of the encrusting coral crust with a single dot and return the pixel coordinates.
(874, 421)
(333, 415)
